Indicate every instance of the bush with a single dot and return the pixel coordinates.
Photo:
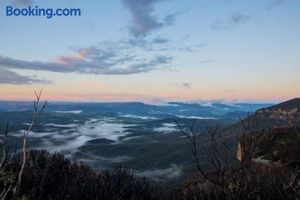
(260, 181)
(51, 176)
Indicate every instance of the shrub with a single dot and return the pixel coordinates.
(51, 176)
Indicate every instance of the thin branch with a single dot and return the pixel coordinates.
(36, 112)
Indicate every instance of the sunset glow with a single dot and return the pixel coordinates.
(167, 51)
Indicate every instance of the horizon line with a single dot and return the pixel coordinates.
(198, 101)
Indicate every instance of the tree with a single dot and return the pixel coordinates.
(6, 157)
(218, 150)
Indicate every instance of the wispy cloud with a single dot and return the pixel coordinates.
(162, 44)
(187, 85)
(275, 3)
(182, 85)
(121, 57)
(143, 19)
(108, 58)
(10, 77)
(206, 61)
(160, 40)
(233, 21)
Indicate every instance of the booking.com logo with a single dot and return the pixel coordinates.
(46, 12)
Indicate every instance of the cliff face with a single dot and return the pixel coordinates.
(273, 133)
(287, 113)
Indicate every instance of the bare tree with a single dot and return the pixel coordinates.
(218, 150)
(38, 108)
(6, 157)
(253, 178)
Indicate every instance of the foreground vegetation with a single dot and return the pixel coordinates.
(51, 176)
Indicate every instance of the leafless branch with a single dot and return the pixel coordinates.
(37, 110)
(218, 149)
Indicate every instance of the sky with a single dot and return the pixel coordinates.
(152, 50)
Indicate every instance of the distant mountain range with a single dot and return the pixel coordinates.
(177, 109)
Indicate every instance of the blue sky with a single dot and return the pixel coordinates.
(152, 50)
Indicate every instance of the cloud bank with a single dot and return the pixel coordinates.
(110, 58)
(10, 77)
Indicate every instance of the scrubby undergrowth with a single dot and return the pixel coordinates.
(51, 176)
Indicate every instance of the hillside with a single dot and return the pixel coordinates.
(283, 114)
(278, 145)
(267, 146)
(290, 104)
(273, 132)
